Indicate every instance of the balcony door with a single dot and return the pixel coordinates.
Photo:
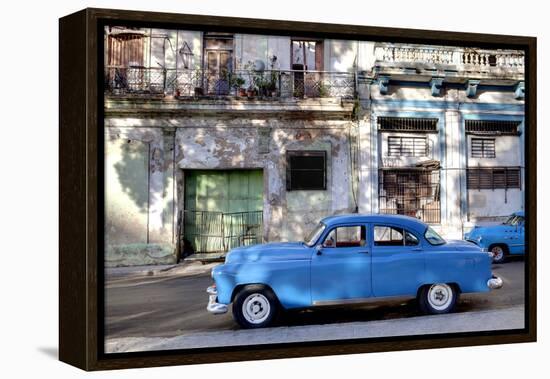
(307, 59)
(218, 52)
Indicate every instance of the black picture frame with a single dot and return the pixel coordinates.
(81, 189)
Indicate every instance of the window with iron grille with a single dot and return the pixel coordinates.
(306, 170)
(483, 148)
(407, 146)
(411, 192)
(407, 124)
(493, 178)
(492, 127)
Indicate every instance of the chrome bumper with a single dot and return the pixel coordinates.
(213, 305)
(494, 283)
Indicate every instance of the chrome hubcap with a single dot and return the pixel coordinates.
(440, 296)
(498, 253)
(256, 308)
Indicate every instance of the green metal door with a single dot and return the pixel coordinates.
(223, 208)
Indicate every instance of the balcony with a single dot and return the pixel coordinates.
(198, 83)
(395, 59)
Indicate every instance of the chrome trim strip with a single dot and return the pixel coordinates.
(364, 300)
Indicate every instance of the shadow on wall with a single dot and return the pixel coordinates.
(130, 170)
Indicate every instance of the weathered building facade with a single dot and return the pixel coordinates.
(214, 140)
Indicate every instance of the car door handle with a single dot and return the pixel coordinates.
(363, 252)
(417, 249)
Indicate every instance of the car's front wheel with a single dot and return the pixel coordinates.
(438, 298)
(499, 253)
(255, 306)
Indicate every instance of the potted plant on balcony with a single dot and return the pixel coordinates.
(237, 83)
(269, 85)
(249, 68)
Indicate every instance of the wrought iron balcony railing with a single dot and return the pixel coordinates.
(197, 82)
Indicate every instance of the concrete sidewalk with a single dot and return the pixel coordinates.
(501, 319)
(184, 268)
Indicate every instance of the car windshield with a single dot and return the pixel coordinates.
(314, 235)
(433, 237)
(513, 220)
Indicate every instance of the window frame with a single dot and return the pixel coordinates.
(404, 231)
(477, 171)
(400, 153)
(304, 153)
(363, 228)
(481, 150)
(492, 127)
(390, 188)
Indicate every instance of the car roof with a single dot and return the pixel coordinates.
(405, 221)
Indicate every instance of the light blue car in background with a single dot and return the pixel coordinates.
(349, 259)
(502, 240)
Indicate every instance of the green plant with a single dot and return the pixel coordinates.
(237, 82)
(324, 90)
(260, 81)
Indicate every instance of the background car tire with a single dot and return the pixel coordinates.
(500, 253)
(438, 298)
(255, 306)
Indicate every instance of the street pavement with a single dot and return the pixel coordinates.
(167, 310)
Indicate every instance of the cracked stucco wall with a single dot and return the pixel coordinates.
(288, 215)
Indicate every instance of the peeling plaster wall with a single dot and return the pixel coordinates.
(287, 215)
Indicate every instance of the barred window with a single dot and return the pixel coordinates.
(306, 170)
(493, 178)
(492, 127)
(483, 148)
(411, 192)
(407, 124)
(407, 146)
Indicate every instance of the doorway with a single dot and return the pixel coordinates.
(307, 62)
(223, 209)
(218, 53)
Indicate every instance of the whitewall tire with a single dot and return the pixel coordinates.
(438, 298)
(255, 306)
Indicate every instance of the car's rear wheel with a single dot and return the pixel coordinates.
(499, 253)
(438, 298)
(255, 306)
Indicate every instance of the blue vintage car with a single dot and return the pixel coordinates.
(349, 259)
(502, 240)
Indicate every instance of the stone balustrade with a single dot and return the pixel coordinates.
(466, 59)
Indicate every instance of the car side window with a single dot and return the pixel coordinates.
(388, 236)
(346, 236)
(410, 239)
(393, 236)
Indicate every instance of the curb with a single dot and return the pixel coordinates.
(480, 321)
